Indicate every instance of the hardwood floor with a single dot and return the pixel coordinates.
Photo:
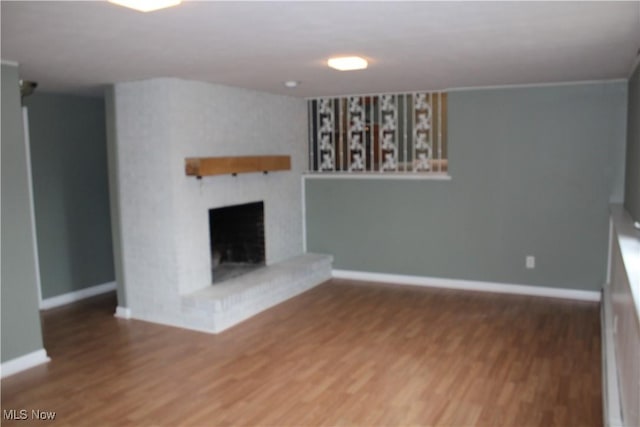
(344, 353)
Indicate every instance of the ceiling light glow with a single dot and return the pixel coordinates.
(347, 63)
(146, 5)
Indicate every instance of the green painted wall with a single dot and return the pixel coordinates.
(21, 332)
(533, 171)
(632, 171)
(71, 192)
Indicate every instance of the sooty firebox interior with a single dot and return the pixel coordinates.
(237, 240)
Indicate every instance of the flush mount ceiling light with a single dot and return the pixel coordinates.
(291, 83)
(347, 63)
(146, 5)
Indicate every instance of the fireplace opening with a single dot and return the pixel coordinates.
(237, 240)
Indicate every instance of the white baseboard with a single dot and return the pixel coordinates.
(22, 363)
(64, 299)
(122, 313)
(469, 285)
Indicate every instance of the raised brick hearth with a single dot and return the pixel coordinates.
(219, 307)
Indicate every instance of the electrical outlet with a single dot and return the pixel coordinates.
(530, 261)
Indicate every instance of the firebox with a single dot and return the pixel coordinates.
(237, 240)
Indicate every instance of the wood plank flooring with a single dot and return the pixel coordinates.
(344, 353)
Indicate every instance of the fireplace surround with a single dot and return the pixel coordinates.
(162, 215)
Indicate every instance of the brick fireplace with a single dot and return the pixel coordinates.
(162, 215)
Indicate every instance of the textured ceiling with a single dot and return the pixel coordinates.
(81, 46)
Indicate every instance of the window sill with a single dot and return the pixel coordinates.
(379, 175)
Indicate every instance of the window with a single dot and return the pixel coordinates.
(387, 133)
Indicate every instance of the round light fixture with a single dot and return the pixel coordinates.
(347, 63)
(291, 83)
(146, 5)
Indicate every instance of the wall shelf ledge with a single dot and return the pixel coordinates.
(208, 166)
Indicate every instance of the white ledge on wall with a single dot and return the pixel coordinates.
(621, 323)
(628, 238)
(378, 175)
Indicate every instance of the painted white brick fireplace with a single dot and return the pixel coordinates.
(164, 214)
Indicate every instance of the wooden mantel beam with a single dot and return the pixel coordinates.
(207, 166)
